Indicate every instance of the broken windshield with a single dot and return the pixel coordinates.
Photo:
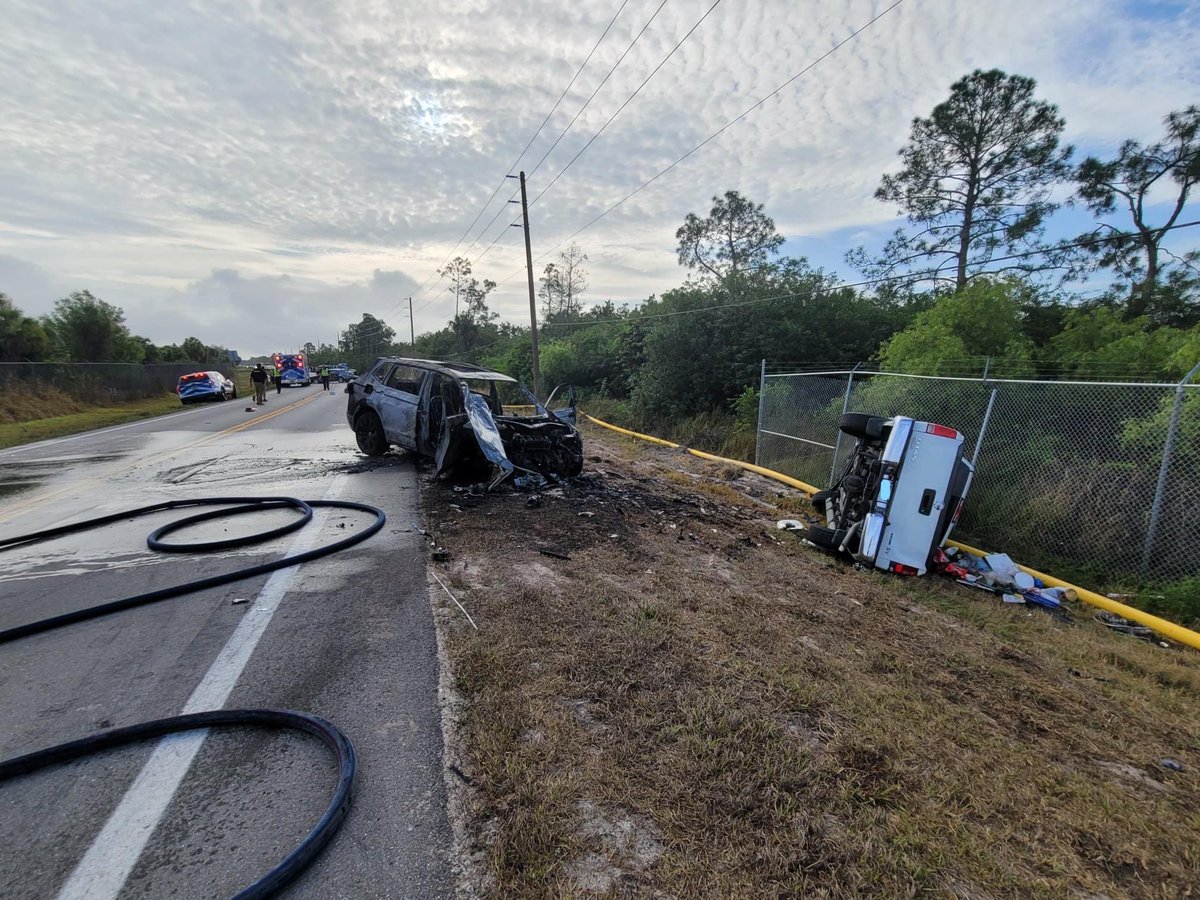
(505, 398)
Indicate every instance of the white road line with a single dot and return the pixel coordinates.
(116, 849)
(98, 431)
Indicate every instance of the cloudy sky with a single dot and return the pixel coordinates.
(260, 173)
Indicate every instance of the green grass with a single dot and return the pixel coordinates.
(14, 433)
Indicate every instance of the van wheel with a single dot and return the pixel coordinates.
(826, 538)
(862, 425)
(368, 433)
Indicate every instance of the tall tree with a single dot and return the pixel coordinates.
(21, 337)
(563, 284)
(736, 235)
(84, 328)
(458, 273)
(1125, 183)
(366, 340)
(977, 179)
(474, 296)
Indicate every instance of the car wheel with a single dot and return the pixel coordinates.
(826, 538)
(368, 433)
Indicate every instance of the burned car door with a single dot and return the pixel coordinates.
(397, 401)
(440, 401)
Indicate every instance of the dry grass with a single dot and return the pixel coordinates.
(696, 704)
(77, 417)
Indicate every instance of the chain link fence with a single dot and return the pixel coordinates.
(101, 383)
(1095, 480)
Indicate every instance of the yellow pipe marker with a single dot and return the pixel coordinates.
(1162, 626)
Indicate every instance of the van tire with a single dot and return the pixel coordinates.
(368, 434)
(826, 538)
(862, 425)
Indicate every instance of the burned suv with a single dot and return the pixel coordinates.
(461, 416)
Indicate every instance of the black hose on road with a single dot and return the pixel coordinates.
(249, 504)
(308, 849)
(304, 852)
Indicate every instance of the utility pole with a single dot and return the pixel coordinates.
(537, 392)
(412, 336)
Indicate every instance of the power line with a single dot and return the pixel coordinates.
(646, 81)
(563, 134)
(717, 133)
(529, 144)
(632, 44)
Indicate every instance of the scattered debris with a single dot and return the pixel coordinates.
(1123, 626)
(1172, 764)
(534, 501)
(440, 554)
(240, 600)
(790, 525)
(550, 551)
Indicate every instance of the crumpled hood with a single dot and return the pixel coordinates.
(487, 435)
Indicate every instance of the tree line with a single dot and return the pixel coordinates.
(970, 276)
(84, 328)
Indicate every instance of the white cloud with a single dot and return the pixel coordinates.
(305, 145)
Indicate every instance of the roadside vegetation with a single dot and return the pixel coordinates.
(693, 703)
(24, 422)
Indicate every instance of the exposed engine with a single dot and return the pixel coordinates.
(552, 448)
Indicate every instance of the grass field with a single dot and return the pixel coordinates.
(28, 417)
(693, 703)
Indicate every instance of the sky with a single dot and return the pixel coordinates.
(259, 174)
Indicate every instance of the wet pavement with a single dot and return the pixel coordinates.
(348, 637)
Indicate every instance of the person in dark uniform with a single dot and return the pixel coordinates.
(278, 376)
(258, 378)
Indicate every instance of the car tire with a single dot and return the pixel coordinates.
(368, 434)
(819, 499)
(862, 425)
(826, 538)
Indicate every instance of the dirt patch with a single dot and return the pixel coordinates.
(765, 720)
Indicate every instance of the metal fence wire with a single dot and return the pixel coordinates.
(1097, 480)
(101, 382)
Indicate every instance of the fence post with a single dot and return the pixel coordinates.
(987, 415)
(1168, 446)
(837, 444)
(762, 393)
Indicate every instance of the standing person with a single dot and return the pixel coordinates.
(325, 377)
(278, 376)
(258, 378)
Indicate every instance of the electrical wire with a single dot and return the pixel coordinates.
(628, 100)
(715, 134)
(525, 149)
(603, 81)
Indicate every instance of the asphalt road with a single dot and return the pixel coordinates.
(348, 637)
